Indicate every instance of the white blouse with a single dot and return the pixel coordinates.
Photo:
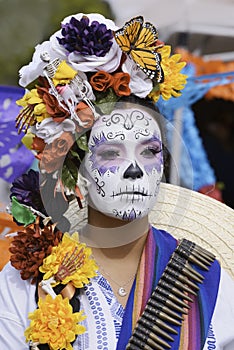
(104, 314)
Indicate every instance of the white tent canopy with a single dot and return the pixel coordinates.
(206, 17)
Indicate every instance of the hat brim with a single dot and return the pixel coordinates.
(192, 215)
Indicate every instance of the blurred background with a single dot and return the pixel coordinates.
(201, 30)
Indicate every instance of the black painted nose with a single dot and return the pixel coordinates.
(133, 172)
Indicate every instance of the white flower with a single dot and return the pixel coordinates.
(109, 63)
(49, 130)
(93, 17)
(140, 84)
(53, 50)
(35, 68)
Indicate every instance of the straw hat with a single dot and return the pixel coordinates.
(186, 214)
(192, 215)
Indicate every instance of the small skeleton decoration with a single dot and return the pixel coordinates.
(70, 264)
(68, 95)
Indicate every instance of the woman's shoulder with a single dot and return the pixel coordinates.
(13, 289)
(11, 275)
(17, 299)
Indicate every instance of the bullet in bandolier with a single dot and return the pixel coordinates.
(149, 326)
(151, 338)
(168, 302)
(162, 315)
(141, 345)
(199, 260)
(135, 347)
(172, 297)
(199, 253)
(192, 251)
(195, 259)
(194, 272)
(184, 269)
(174, 290)
(199, 249)
(163, 307)
(177, 283)
(159, 322)
(178, 275)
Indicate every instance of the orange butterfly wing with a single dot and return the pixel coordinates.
(138, 40)
(126, 36)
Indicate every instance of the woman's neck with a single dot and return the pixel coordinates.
(106, 232)
(117, 248)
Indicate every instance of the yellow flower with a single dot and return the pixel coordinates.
(174, 81)
(27, 139)
(64, 74)
(72, 256)
(31, 99)
(54, 323)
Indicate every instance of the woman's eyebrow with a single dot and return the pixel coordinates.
(102, 139)
(98, 143)
(152, 139)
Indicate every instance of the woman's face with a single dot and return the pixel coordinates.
(124, 164)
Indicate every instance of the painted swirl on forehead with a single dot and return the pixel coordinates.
(142, 132)
(114, 135)
(127, 120)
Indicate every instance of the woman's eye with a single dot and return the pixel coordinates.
(150, 152)
(109, 154)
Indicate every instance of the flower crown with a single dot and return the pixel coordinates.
(89, 63)
(80, 72)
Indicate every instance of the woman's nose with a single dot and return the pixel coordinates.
(133, 172)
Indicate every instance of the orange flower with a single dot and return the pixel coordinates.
(30, 246)
(53, 156)
(120, 85)
(101, 81)
(53, 108)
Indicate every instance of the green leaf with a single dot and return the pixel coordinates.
(107, 102)
(21, 214)
(75, 154)
(82, 143)
(69, 174)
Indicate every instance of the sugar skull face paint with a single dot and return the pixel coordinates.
(124, 165)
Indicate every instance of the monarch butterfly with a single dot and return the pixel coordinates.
(138, 39)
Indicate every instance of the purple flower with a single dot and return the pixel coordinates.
(26, 189)
(86, 39)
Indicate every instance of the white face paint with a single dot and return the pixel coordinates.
(125, 163)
